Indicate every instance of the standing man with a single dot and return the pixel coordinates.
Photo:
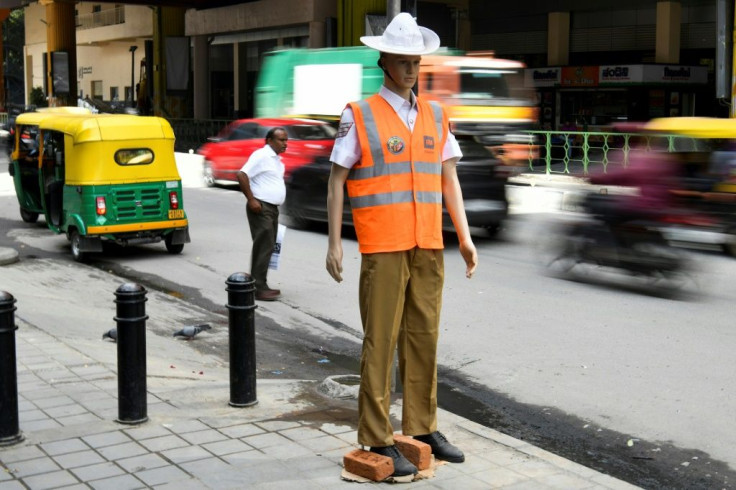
(397, 156)
(262, 181)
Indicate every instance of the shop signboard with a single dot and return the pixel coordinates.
(579, 76)
(541, 77)
(675, 74)
(620, 74)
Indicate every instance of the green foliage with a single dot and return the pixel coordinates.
(38, 98)
(13, 41)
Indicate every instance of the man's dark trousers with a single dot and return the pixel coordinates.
(263, 229)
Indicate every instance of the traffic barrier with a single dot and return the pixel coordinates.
(9, 429)
(131, 319)
(242, 339)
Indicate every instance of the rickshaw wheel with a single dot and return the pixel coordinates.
(77, 254)
(173, 248)
(28, 216)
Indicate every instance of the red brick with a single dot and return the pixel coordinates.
(415, 451)
(369, 465)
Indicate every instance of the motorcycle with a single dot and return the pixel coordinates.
(588, 246)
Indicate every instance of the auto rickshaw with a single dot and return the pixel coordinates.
(99, 177)
(706, 150)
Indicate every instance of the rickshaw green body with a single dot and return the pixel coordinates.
(99, 177)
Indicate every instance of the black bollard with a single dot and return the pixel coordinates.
(9, 428)
(131, 325)
(242, 338)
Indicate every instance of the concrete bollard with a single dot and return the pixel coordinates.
(9, 428)
(242, 339)
(131, 326)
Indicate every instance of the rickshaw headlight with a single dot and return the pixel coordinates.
(101, 205)
(173, 200)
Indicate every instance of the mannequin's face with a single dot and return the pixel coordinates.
(403, 68)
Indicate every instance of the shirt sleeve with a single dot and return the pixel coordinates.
(451, 148)
(346, 151)
(252, 166)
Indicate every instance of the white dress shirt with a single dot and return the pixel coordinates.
(346, 151)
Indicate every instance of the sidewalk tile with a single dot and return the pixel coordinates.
(265, 440)
(121, 451)
(97, 471)
(241, 430)
(39, 425)
(12, 485)
(147, 432)
(466, 483)
(288, 450)
(500, 477)
(325, 443)
(565, 481)
(22, 469)
(106, 439)
(158, 476)
(335, 429)
(186, 454)
(50, 480)
(163, 443)
(81, 419)
(65, 410)
(21, 453)
(53, 401)
(143, 462)
(30, 415)
(302, 433)
(277, 425)
(534, 469)
(184, 426)
(203, 467)
(81, 458)
(245, 459)
(122, 482)
(228, 446)
(203, 436)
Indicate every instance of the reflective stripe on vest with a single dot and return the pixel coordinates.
(381, 168)
(395, 190)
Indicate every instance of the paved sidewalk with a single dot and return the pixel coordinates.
(294, 437)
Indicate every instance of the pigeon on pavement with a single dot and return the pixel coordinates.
(190, 331)
(111, 334)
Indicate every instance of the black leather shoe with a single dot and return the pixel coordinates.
(441, 448)
(402, 466)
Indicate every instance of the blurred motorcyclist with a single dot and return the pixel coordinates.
(653, 174)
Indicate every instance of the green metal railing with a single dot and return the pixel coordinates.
(550, 152)
(574, 152)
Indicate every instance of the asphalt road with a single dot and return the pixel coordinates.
(606, 373)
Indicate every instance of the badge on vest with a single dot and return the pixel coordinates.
(429, 142)
(395, 145)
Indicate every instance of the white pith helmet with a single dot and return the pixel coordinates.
(404, 36)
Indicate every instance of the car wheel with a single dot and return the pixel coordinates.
(173, 248)
(74, 240)
(28, 216)
(208, 176)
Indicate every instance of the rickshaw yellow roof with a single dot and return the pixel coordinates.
(695, 127)
(108, 127)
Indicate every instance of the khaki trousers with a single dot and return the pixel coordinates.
(400, 302)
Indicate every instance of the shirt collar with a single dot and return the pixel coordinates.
(270, 151)
(395, 100)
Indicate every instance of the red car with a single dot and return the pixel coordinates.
(225, 154)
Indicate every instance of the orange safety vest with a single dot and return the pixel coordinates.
(395, 189)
